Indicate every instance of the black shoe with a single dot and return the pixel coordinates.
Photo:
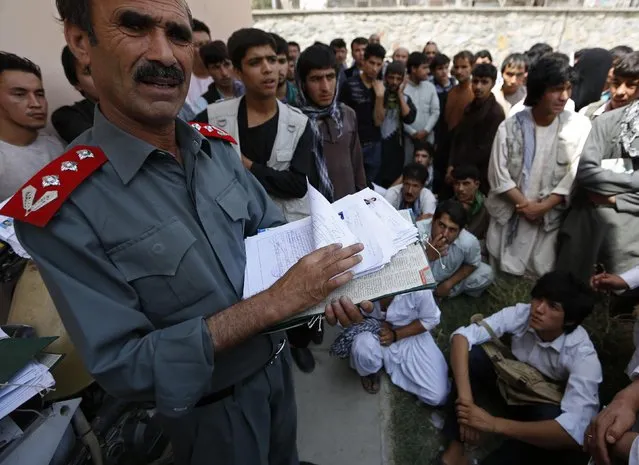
(303, 359)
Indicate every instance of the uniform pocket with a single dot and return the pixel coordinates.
(233, 200)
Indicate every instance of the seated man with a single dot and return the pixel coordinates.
(24, 149)
(612, 434)
(455, 254)
(545, 335)
(624, 88)
(423, 153)
(412, 194)
(405, 348)
(72, 120)
(466, 182)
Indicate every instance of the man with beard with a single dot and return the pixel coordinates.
(24, 149)
(286, 90)
(358, 49)
(398, 111)
(412, 193)
(336, 142)
(139, 232)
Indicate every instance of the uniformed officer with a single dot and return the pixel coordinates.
(138, 232)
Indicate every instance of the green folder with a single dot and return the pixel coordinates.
(16, 353)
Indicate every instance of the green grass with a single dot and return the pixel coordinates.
(417, 441)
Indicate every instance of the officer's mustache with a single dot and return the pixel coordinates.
(155, 73)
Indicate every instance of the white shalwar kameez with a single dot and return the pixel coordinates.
(414, 364)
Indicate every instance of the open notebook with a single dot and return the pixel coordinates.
(394, 261)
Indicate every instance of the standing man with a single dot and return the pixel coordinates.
(358, 49)
(341, 53)
(153, 241)
(513, 90)
(364, 93)
(215, 57)
(462, 94)
(430, 50)
(401, 54)
(23, 113)
(275, 143)
(200, 79)
(532, 168)
(334, 125)
(286, 91)
(424, 96)
(294, 51)
(72, 120)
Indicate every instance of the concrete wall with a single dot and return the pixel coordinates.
(29, 28)
(501, 30)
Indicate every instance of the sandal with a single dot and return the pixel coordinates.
(371, 383)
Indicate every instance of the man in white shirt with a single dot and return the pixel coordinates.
(412, 194)
(200, 79)
(24, 150)
(546, 334)
(513, 90)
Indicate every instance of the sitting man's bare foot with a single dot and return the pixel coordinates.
(371, 383)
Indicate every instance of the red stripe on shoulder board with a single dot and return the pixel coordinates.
(42, 196)
(208, 130)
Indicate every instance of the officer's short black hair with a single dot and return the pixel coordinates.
(415, 60)
(243, 39)
(484, 54)
(317, 56)
(68, 65)
(214, 52)
(549, 71)
(455, 210)
(416, 172)
(462, 172)
(359, 41)
(12, 62)
(628, 67)
(199, 26)
(515, 60)
(338, 43)
(574, 295)
(465, 55)
(281, 46)
(485, 70)
(439, 60)
(374, 50)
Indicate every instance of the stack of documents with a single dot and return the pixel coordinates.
(24, 371)
(8, 234)
(393, 261)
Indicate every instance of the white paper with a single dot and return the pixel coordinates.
(328, 227)
(8, 234)
(28, 382)
(618, 165)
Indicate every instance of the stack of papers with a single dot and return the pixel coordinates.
(365, 217)
(8, 234)
(20, 384)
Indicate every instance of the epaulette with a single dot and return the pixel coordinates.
(42, 196)
(208, 130)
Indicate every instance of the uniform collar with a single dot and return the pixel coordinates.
(127, 153)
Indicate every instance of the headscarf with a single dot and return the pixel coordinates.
(592, 73)
(315, 114)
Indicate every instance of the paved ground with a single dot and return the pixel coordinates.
(339, 423)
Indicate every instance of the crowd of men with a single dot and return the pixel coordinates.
(526, 169)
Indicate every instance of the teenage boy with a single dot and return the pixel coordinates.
(72, 120)
(440, 74)
(358, 50)
(200, 79)
(423, 154)
(364, 93)
(455, 254)
(336, 142)
(286, 91)
(545, 334)
(466, 183)
(424, 96)
(215, 57)
(462, 94)
(624, 88)
(412, 193)
(399, 110)
(341, 53)
(513, 90)
(473, 138)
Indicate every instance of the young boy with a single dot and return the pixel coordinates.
(467, 181)
(412, 193)
(473, 139)
(215, 57)
(513, 90)
(546, 334)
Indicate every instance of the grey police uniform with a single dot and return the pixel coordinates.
(135, 260)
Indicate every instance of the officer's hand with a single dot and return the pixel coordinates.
(311, 280)
(346, 312)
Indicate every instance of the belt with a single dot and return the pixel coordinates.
(229, 391)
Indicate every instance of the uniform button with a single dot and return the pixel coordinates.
(158, 248)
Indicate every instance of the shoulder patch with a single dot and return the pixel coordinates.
(208, 130)
(42, 196)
